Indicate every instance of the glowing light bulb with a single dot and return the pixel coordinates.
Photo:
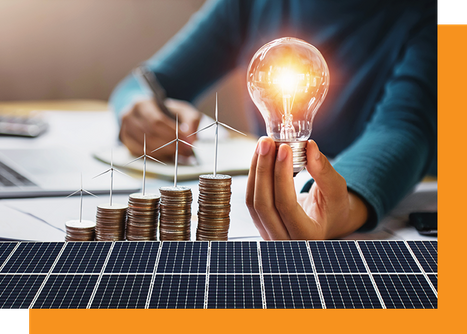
(288, 80)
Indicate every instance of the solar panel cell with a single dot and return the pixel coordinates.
(33, 257)
(178, 291)
(82, 257)
(426, 253)
(133, 257)
(5, 250)
(122, 291)
(434, 280)
(406, 291)
(66, 291)
(388, 257)
(183, 257)
(285, 257)
(291, 291)
(348, 291)
(234, 257)
(18, 291)
(336, 257)
(235, 291)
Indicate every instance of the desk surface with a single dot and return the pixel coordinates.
(43, 219)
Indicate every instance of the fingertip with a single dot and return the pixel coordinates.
(283, 152)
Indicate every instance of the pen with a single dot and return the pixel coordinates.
(147, 78)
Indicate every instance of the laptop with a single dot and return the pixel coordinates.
(56, 172)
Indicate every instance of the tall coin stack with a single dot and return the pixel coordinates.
(214, 207)
(110, 222)
(175, 221)
(143, 216)
(80, 230)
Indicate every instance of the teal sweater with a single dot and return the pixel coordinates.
(379, 119)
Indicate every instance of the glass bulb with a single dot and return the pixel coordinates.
(288, 80)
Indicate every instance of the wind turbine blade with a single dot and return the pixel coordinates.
(89, 193)
(217, 110)
(149, 157)
(184, 142)
(77, 191)
(157, 149)
(231, 128)
(206, 127)
(108, 170)
(133, 160)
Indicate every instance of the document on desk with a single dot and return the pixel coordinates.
(234, 158)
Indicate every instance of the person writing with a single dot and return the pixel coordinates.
(378, 121)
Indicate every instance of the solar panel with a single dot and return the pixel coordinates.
(242, 274)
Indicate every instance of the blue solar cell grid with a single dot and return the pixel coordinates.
(388, 257)
(426, 253)
(82, 257)
(336, 257)
(291, 291)
(348, 291)
(5, 250)
(235, 274)
(406, 291)
(285, 257)
(122, 291)
(234, 257)
(178, 291)
(235, 291)
(183, 257)
(33, 257)
(66, 291)
(129, 257)
(18, 291)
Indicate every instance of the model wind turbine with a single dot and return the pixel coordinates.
(216, 137)
(80, 191)
(144, 156)
(111, 170)
(176, 140)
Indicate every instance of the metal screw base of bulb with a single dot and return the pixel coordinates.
(299, 154)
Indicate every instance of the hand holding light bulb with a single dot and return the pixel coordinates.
(288, 80)
(329, 210)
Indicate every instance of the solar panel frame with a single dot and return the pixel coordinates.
(292, 250)
(243, 259)
(5, 250)
(144, 253)
(234, 291)
(434, 280)
(176, 264)
(167, 294)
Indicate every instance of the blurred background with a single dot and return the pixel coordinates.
(80, 49)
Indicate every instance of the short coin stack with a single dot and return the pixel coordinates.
(110, 222)
(143, 215)
(80, 230)
(175, 221)
(214, 207)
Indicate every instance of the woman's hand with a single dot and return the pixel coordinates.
(146, 118)
(327, 211)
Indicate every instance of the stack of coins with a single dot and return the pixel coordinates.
(175, 222)
(214, 207)
(143, 215)
(110, 222)
(80, 230)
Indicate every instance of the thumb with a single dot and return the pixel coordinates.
(329, 182)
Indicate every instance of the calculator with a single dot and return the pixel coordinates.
(24, 124)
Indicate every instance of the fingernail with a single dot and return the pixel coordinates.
(263, 147)
(282, 154)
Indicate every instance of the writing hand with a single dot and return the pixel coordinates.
(145, 117)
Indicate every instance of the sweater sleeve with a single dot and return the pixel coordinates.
(204, 50)
(398, 144)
